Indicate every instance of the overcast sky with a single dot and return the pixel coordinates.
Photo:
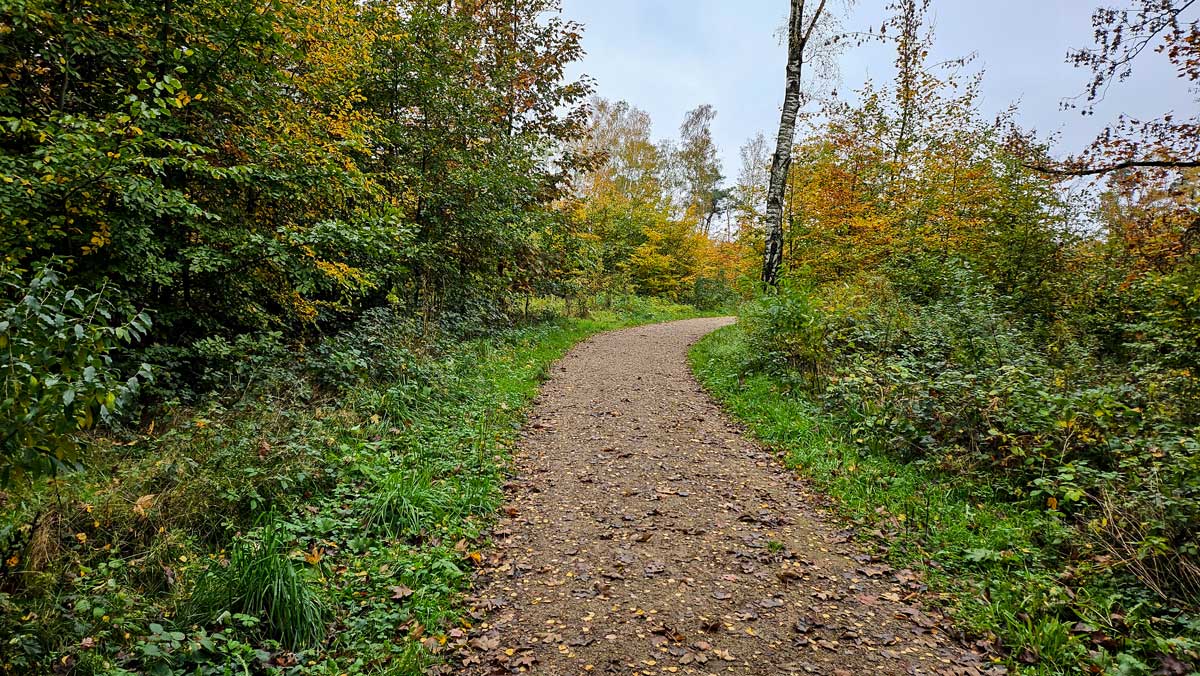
(668, 56)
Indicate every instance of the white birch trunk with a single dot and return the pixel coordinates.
(798, 36)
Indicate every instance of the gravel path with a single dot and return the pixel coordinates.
(645, 534)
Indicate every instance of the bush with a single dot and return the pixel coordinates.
(942, 374)
(800, 329)
(713, 293)
(59, 377)
(381, 347)
(787, 331)
(928, 365)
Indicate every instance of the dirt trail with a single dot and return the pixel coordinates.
(646, 535)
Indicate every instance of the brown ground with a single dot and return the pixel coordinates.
(646, 535)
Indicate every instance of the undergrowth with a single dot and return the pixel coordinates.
(1003, 569)
(324, 520)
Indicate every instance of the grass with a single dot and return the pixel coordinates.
(336, 531)
(1003, 570)
(404, 502)
(261, 581)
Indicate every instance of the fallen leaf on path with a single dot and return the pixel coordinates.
(875, 570)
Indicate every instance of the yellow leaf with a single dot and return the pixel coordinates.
(313, 557)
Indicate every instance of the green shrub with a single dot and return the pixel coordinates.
(381, 347)
(801, 329)
(59, 377)
(640, 309)
(787, 331)
(234, 365)
(938, 371)
(713, 293)
(930, 369)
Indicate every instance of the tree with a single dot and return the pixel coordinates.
(621, 195)
(911, 170)
(750, 193)
(1122, 36)
(626, 213)
(239, 166)
(700, 167)
(199, 155)
(1148, 165)
(474, 110)
(802, 22)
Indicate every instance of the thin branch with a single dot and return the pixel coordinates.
(1130, 164)
(816, 17)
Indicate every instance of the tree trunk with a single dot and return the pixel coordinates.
(798, 35)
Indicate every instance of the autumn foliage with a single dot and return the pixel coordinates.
(234, 166)
(954, 305)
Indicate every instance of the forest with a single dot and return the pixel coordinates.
(281, 280)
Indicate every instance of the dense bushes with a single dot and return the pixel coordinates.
(950, 375)
(967, 319)
(243, 168)
(58, 375)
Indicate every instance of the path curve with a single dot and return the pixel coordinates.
(645, 534)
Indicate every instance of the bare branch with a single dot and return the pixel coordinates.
(1131, 164)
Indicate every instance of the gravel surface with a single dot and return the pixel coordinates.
(646, 534)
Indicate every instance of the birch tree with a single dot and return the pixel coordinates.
(803, 21)
(750, 191)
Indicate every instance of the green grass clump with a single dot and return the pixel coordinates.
(406, 503)
(261, 581)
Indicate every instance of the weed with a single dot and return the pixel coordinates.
(405, 503)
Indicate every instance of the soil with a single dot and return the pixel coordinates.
(645, 533)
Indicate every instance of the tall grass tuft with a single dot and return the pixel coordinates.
(261, 581)
(406, 502)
